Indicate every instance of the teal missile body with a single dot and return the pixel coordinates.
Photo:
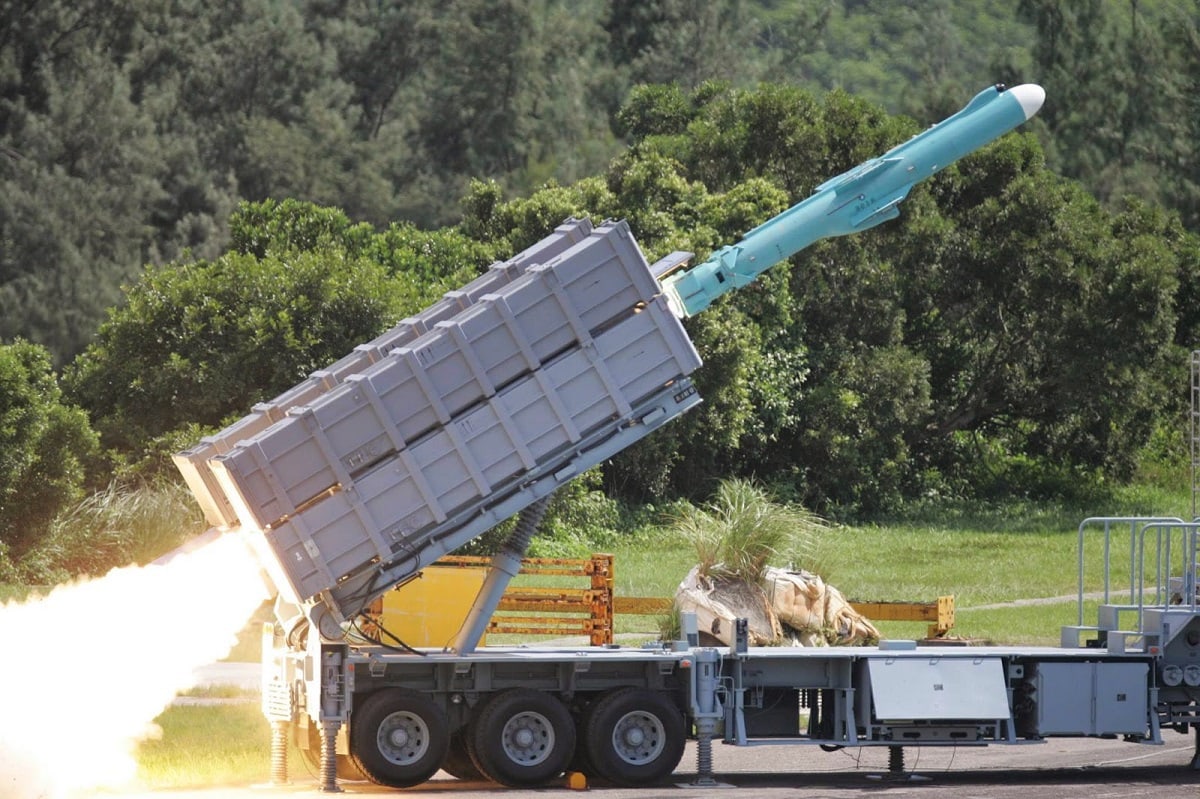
(856, 200)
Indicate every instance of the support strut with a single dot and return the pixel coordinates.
(505, 565)
(329, 731)
(279, 758)
(895, 760)
(704, 757)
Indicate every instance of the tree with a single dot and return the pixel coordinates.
(1182, 175)
(683, 41)
(381, 49)
(1036, 310)
(515, 94)
(45, 448)
(199, 342)
(77, 179)
(1119, 73)
(986, 319)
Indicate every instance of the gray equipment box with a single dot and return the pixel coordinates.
(483, 452)
(935, 688)
(193, 463)
(1092, 698)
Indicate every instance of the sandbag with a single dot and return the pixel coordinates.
(817, 612)
(719, 601)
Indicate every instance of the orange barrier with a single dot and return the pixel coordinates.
(587, 606)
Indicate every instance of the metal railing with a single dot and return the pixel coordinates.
(1173, 559)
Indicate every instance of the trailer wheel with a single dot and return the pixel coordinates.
(398, 738)
(522, 737)
(634, 737)
(458, 762)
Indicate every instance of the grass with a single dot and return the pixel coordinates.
(226, 692)
(207, 745)
(898, 563)
(112, 528)
(980, 553)
(743, 531)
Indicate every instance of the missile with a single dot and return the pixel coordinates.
(854, 201)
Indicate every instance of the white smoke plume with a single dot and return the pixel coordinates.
(86, 669)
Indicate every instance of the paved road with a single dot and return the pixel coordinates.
(1068, 768)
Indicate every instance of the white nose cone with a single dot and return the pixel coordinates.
(1030, 96)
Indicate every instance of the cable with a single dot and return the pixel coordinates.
(403, 647)
(297, 637)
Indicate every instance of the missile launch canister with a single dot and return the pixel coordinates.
(867, 195)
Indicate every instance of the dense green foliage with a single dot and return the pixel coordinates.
(200, 341)
(129, 131)
(1010, 334)
(1014, 332)
(44, 448)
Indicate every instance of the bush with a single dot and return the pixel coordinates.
(201, 342)
(743, 530)
(113, 527)
(45, 448)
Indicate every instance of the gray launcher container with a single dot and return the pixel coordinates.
(193, 462)
(459, 363)
(528, 429)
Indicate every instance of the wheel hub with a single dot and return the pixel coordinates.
(528, 738)
(638, 738)
(403, 738)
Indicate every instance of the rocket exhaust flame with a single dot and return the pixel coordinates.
(87, 648)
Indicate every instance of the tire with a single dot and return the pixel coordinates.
(346, 768)
(398, 738)
(634, 737)
(522, 738)
(458, 762)
(579, 760)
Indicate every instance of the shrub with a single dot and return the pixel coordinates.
(45, 447)
(742, 531)
(114, 527)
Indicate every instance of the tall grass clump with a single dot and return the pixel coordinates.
(116, 526)
(742, 530)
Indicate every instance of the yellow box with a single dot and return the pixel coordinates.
(430, 610)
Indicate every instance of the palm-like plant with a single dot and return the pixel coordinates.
(743, 529)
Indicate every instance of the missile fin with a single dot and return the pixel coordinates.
(878, 217)
(870, 217)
